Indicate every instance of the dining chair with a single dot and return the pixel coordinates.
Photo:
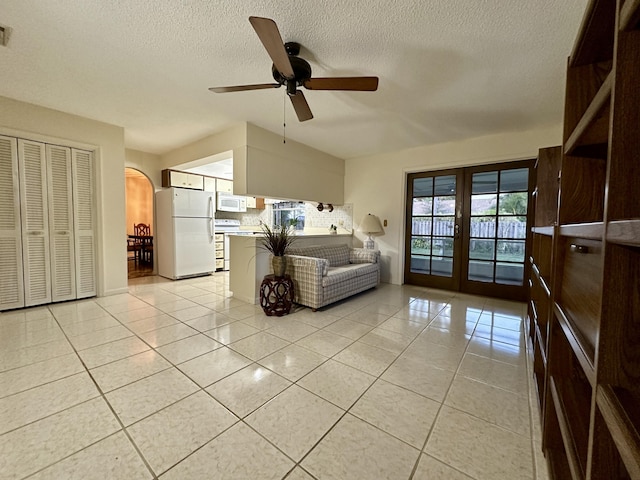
(145, 244)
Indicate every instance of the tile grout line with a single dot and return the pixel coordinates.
(115, 415)
(435, 419)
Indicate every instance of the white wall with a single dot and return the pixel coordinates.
(263, 166)
(43, 124)
(377, 184)
(233, 139)
(289, 170)
(147, 163)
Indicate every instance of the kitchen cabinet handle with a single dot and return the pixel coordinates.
(579, 248)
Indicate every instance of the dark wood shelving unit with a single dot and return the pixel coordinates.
(585, 275)
(547, 169)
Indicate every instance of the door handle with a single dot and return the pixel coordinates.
(456, 230)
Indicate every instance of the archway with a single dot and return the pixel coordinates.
(139, 207)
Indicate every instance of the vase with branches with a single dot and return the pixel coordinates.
(276, 241)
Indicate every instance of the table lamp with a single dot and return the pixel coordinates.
(370, 224)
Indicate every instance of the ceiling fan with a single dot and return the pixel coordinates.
(292, 71)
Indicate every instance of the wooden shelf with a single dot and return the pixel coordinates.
(542, 340)
(546, 231)
(558, 466)
(541, 280)
(594, 42)
(593, 230)
(567, 435)
(630, 15)
(623, 431)
(593, 128)
(624, 232)
(577, 343)
(591, 407)
(582, 190)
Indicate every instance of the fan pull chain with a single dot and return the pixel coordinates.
(284, 118)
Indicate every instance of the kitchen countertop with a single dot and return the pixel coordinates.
(302, 234)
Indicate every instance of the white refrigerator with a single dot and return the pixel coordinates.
(185, 233)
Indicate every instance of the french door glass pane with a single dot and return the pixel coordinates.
(442, 246)
(433, 213)
(484, 204)
(421, 225)
(484, 182)
(445, 185)
(480, 271)
(512, 227)
(482, 249)
(420, 245)
(444, 205)
(516, 180)
(423, 187)
(420, 265)
(510, 273)
(513, 203)
(510, 250)
(442, 266)
(483, 227)
(443, 226)
(422, 206)
(501, 220)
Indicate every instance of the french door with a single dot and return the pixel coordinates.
(468, 229)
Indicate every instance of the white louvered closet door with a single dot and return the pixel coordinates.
(84, 222)
(35, 222)
(11, 284)
(61, 240)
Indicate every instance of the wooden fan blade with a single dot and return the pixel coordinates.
(301, 106)
(365, 84)
(242, 88)
(269, 35)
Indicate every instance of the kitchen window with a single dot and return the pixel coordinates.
(290, 214)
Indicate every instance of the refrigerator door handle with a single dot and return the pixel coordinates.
(211, 217)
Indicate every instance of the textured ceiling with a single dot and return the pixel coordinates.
(449, 69)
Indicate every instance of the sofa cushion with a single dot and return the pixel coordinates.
(310, 251)
(363, 255)
(365, 269)
(337, 255)
(340, 274)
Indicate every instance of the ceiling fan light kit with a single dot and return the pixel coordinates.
(292, 71)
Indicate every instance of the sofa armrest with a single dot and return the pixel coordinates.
(307, 273)
(363, 255)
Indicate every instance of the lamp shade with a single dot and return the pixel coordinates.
(370, 224)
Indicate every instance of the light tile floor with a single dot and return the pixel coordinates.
(178, 380)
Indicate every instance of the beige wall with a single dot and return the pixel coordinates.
(232, 139)
(43, 124)
(374, 184)
(139, 200)
(263, 166)
(377, 184)
(147, 163)
(289, 170)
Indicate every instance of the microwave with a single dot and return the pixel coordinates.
(231, 203)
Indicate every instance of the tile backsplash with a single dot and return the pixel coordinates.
(342, 216)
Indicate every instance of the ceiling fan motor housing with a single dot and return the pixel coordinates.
(301, 73)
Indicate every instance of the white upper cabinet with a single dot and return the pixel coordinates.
(223, 185)
(174, 178)
(209, 184)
